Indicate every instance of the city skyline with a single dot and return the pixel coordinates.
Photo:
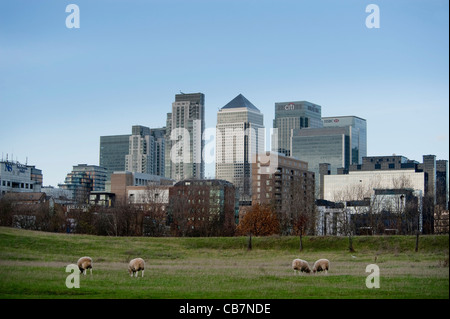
(61, 89)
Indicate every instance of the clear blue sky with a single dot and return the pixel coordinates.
(61, 89)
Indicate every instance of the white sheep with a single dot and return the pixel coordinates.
(84, 263)
(300, 265)
(135, 265)
(321, 265)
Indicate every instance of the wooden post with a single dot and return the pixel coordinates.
(417, 241)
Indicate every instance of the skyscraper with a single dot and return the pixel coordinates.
(239, 136)
(184, 131)
(159, 150)
(141, 149)
(322, 145)
(113, 149)
(358, 134)
(294, 115)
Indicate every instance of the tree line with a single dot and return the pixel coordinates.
(295, 213)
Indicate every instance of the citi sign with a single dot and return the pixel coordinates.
(289, 107)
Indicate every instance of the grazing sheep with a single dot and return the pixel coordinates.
(84, 263)
(135, 265)
(321, 265)
(300, 265)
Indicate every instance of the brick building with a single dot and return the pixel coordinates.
(285, 183)
(203, 207)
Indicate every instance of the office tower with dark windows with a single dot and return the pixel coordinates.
(159, 153)
(143, 151)
(358, 134)
(322, 145)
(184, 132)
(290, 116)
(113, 149)
(239, 137)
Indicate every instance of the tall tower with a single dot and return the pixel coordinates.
(359, 134)
(141, 150)
(184, 143)
(113, 150)
(239, 136)
(294, 115)
(159, 150)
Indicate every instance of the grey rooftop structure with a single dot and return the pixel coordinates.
(240, 101)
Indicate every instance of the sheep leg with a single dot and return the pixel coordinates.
(135, 274)
(142, 273)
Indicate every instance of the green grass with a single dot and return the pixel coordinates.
(32, 265)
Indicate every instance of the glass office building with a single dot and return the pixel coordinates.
(293, 115)
(358, 134)
(113, 150)
(84, 179)
(330, 145)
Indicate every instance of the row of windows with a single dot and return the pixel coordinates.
(17, 185)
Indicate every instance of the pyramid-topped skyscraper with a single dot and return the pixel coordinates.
(239, 102)
(239, 136)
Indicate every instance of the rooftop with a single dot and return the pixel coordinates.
(240, 101)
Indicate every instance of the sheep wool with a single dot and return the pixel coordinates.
(321, 265)
(135, 265)
(300, 265)
(84, 263)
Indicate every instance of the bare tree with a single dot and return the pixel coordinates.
(441, 220)
(354, 210)
(6, 212)
(302, 208)
(177, 214)
(155, 205)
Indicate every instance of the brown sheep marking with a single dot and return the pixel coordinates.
(321, 265)
(84, 263)
(300, 265)
(135, 265)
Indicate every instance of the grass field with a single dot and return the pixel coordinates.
(32, 265)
